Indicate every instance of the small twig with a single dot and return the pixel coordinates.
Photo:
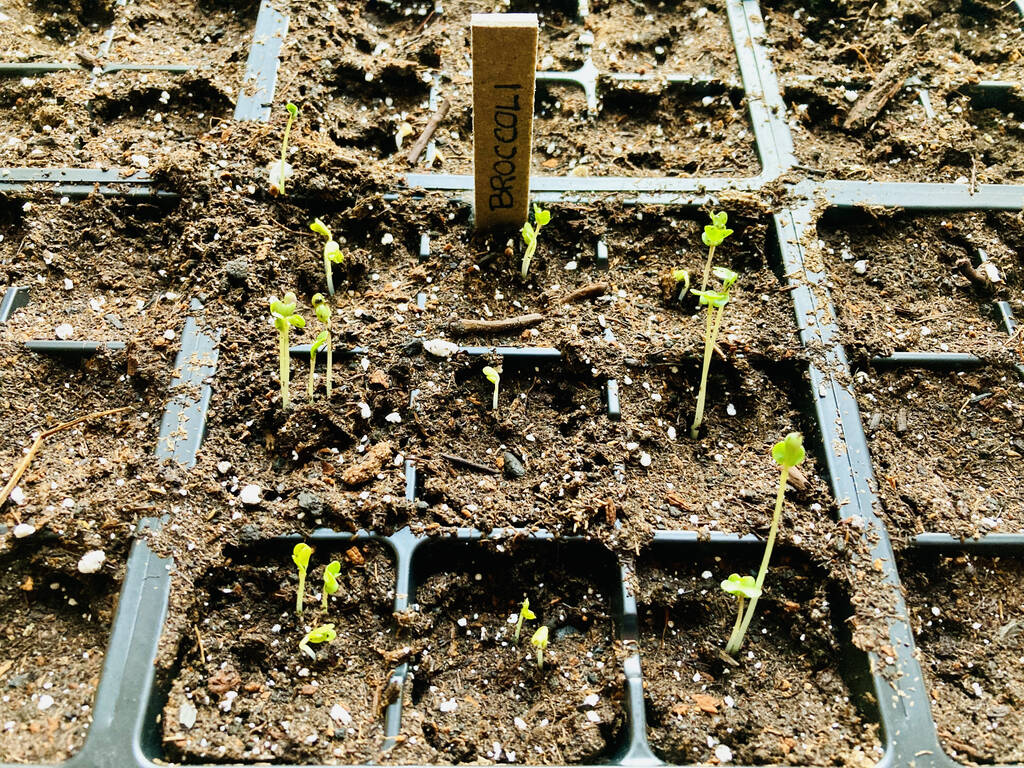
(468, 464)
(27, 458)
(586, 292)
(977, 278)
(428, 132)
(467, 326)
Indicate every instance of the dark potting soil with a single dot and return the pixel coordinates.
(912, 296)
(122, 119)
(52, 642)
(359, 80)
(97, 477)
(478, 696)
(829, 55)
(968, 616)
(786, 700)
(947, 449)
(240, 688)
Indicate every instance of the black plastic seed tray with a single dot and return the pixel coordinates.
(894, 694)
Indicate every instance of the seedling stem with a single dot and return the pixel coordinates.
(715, 302)
(530, 235)
(540, 642)
(713, 236)
(300, 556)
(524, 613)
(283, 313)
(293, 112)
(494, 377)
(787, 454)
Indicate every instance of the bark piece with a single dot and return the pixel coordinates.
(365, 470)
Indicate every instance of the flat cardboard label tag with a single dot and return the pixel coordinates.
(504, 75)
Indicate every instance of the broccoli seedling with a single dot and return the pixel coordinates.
(331, 584)
(714, 235)
(682, 276)
(540, 642)
(322, 634)
(524, 613)
(300, 556)
(293, 112)
(332, 252)
(787, 454)
(494, 377)
(530, 234)
(715, 301)
(283, 312)
(322, 340)
(740, 587)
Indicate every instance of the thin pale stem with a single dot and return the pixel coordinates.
(328, 273)
(733, 648)
(528, 256)
(330, 360)
(734, 637)
(325, 598)
(519, 628)
(707, 269)
(494, 400)
(540, 658)
(300, 592)
(284, 367)
(312, 367)
(710, 334)
(284, 150)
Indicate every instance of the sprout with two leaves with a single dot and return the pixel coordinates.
(331, 584)
(540, 642)
(787, 454)
(715, 301)
(322, 634)
(332, 252)
(740, 587)
(530, 235)
(300, 556)
(681, 277)
(283, 313)
(714, 235)
(524, 614)
(492, 375)
(322, 340)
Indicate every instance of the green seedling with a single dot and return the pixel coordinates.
(524, 614)
(300, 556)
(715, 301)
(322, 634)
(787, 454)
(293, 112)
(331, 584)
(322, 341)
(494, 377)
(540, 642)
(714, 235)
(740, 587)
(283, 312)
(332, 252)
(531, 233)
(682, 276)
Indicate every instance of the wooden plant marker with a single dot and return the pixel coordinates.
(504, 74)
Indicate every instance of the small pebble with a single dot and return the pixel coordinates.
(21, 530)
(91, 561)
(251, 494)
(513, 467)
(860, 267)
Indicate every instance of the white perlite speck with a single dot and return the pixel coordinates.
(449, 706)
(251, 494)
(591, 700)
(91, 561)
(223, 467)
(21, 530)
(45, 702)
(340, 715)
(440, 347)
(64, 331)
(723, 754)
(17, 495)
(187, 713)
